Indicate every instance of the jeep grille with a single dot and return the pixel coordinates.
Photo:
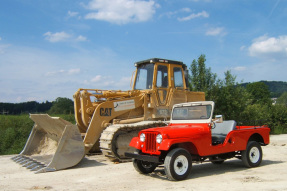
(150, 142)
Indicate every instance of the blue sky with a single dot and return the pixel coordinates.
(50, 48)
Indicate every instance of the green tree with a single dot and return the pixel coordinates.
(256, 114)
(230, 98)
(201, 79)
(278, 119)
(282, 100)
(62, 106)
(259, 92)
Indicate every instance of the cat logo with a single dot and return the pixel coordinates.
(105, 111)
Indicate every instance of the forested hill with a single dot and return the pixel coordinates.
(59, 106)
(275, 87)
(25, 107)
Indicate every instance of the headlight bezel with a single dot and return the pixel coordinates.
(159, 138)
(142, 137)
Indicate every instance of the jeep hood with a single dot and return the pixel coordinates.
(173, 131)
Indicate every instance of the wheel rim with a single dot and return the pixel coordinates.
(254, 154)
(180, 165)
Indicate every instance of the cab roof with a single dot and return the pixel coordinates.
(161, 60)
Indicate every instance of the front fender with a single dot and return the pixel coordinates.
(136, 143)
(167, 143)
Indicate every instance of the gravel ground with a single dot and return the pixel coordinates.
(98, 173)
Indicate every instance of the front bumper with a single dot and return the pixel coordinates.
(142, 157)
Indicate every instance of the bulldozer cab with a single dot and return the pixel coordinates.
(161, 76)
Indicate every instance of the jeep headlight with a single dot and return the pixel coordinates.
(159, 138)
(142, 137)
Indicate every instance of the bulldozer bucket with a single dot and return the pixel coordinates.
(53, 144)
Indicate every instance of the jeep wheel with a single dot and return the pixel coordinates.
(252, 156)
(144, 167)
(177, 164)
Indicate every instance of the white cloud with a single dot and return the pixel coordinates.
(203, 14)
(240, 68)
(62, 37)
(185, 9)
(81, 38)
(101, 82)
(64, 72)
(219, 31)
(55, 73)
(74, 71)
(242, 48)
(72, 14)
(274, 48)
(57, 37)
(108, 82)
(173, 13)
(121, 11)
(97, 78)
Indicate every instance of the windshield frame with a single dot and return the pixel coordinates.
(187, 109)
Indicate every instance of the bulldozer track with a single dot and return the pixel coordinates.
(115, 139)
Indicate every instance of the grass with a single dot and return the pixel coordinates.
(15, 130)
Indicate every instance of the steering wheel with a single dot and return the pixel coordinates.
(213, 125)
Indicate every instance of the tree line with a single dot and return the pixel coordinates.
(248, 105)
(276, 88)
(59, 106)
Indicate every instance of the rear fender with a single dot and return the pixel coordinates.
(259, 138)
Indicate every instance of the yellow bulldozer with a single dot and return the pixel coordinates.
(108, 119)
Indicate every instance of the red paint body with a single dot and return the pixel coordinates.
(197, 139)
(193, 135)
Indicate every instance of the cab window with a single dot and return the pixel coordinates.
(144, 77)
(162, 76)
(177, 73)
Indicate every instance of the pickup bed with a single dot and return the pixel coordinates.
(193, 136)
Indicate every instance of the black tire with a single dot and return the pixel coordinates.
(177, 164)
(144, 167)
(252, 156)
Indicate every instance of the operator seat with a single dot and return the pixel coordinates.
(220, 131)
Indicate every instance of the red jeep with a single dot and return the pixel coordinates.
(193, 135)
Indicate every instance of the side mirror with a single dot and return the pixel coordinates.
(218, 119)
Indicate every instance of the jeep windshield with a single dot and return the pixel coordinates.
(197, 112)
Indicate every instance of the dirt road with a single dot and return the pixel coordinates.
(97, 173)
